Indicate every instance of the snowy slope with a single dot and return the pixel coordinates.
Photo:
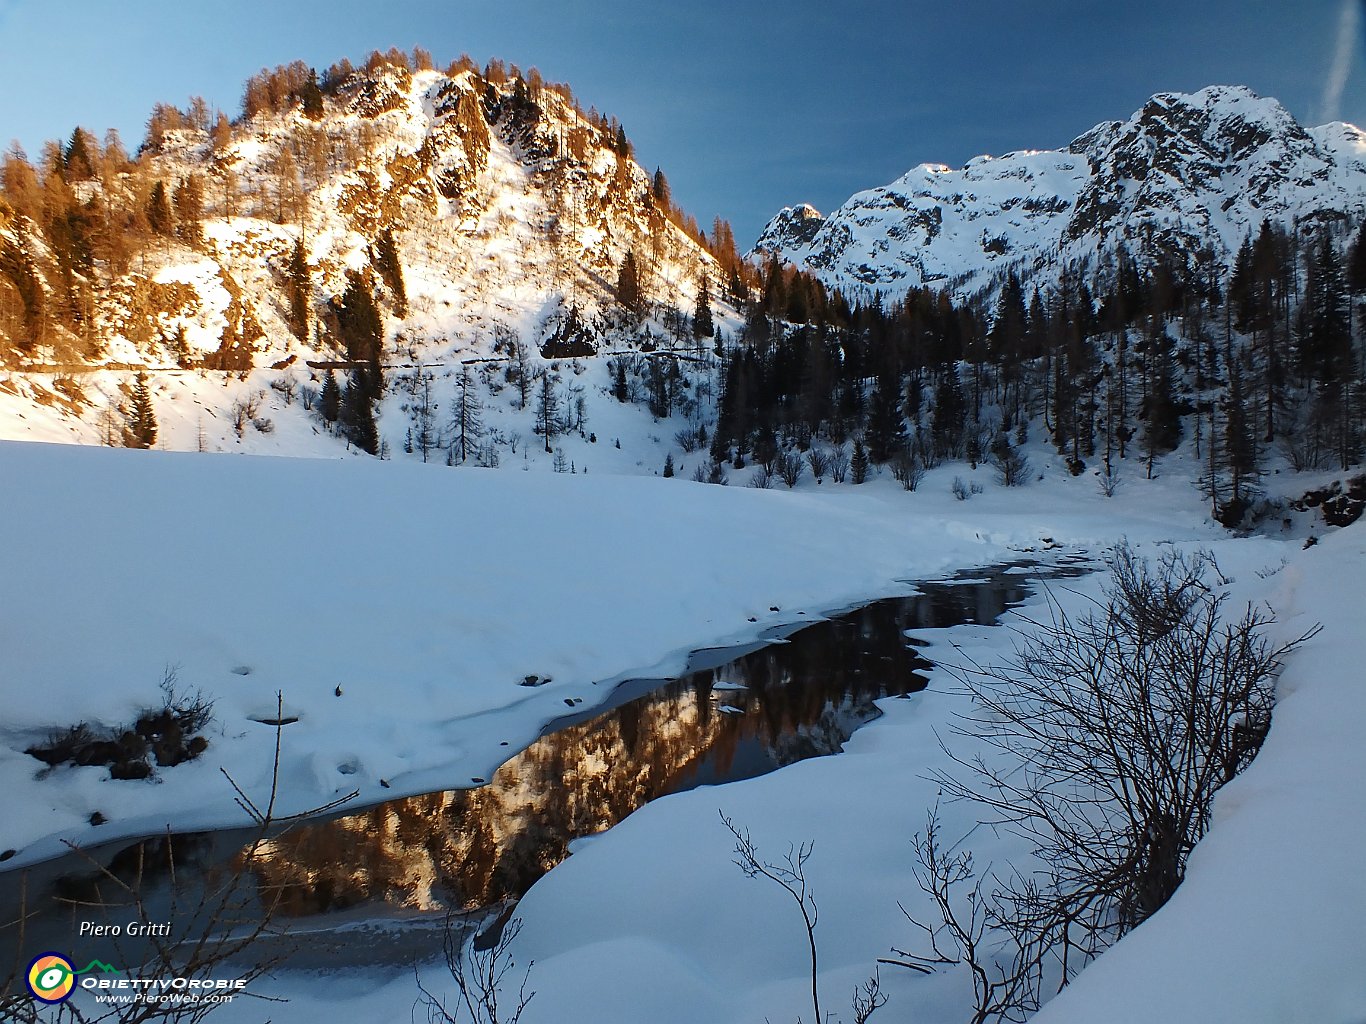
(1267, 928)
(1270, 923)
(1185, 172)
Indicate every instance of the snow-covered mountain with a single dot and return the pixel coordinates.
(509, 209)
(1185, 173)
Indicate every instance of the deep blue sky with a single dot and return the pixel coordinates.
(747, 104)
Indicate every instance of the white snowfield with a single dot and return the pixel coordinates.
(311, 574)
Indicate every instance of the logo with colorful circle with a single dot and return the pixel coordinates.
(51, 978)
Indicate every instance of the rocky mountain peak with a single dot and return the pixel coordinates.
(793, 226)
(1186, 176)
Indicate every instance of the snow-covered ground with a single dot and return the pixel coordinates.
(652, 921)
(428, 593)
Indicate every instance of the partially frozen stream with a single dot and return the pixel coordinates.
(731, 717)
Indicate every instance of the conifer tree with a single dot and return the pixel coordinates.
(659, 188)
(359, 321)
(189, 210)
(1356, 263)
(391, 270)
(765, 446)
(702, 323)
(300, 289)
(141, 431)
(331, 398)
(424, 438)
(466, 420)
(1240, 453)
(669, 464)
(628, 285)
(159, 216)
(1161, 417)
(1326, 354)
(886, 432)
(358, 414)
(79, 162)
(1006, 339)
(739, 294)
(775, 289)
(950, 407)
(858, 463)
(311, 97)
(1325, 342)
(547, 409)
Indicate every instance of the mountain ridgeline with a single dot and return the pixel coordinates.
(1185, 180)
(471, 240)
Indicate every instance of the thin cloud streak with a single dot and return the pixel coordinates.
(1349, 29)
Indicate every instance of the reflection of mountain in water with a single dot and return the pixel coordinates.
(801, 697)
(466, 848)
(474, 847)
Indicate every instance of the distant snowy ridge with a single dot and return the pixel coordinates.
(1188, 174)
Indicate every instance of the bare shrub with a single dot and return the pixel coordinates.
(1108, 481)
(907, 470)
(789, 874)
(839, 463)
(1012, 465)
(1107, 735)
(789, 465)
(819, 462)
(246, 410)
(287, 386)
(970, 910)
(687, 440)
(479, 971)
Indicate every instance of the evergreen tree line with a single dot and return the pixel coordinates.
(1118, 367)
